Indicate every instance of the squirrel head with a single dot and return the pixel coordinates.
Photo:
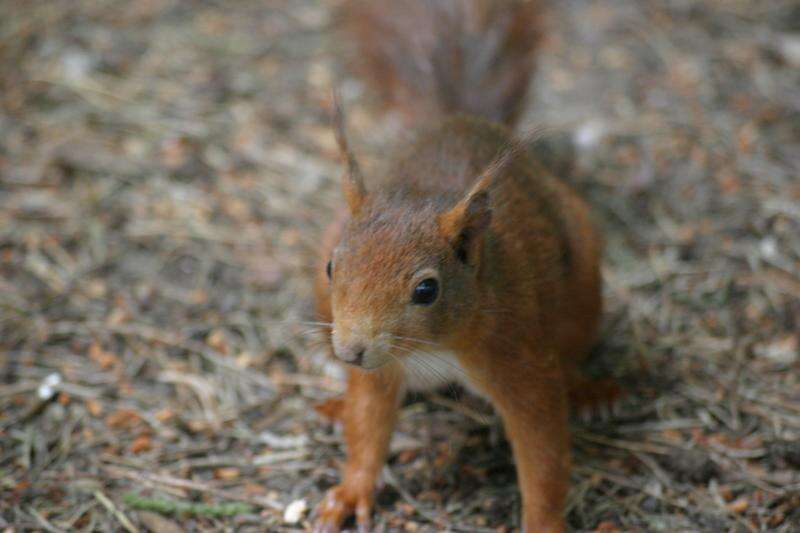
(404, 276)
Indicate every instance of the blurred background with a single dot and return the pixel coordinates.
(166, 168)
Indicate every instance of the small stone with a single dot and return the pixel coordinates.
(789, 47)
(294, 512)
(47, 388)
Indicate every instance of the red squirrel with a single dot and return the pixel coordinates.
(465, 260)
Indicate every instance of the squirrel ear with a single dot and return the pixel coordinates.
(352, 181)
(354, 192)
(464, 224)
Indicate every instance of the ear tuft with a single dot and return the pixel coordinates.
(354, 191)
(352, 182)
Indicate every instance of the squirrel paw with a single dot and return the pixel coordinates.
(339, 503)
(596, 400)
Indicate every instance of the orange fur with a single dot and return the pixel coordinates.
(368, 413)
(434, 58)
(516, 259)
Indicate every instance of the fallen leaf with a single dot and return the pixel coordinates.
(141, 444)
(164, 415)
(103, 358)
(123, 419)
(254, 489)
(739, 505)
(157, 523)
(216, 339)
(94, 407)
(228, 472)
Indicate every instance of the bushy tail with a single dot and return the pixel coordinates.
(438, 57)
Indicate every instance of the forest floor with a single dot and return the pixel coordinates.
(166, 169)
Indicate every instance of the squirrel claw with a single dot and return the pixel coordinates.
(599, 401)
(339, 503)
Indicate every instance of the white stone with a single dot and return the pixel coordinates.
(294, 512)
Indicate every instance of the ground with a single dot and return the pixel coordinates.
(166, 168)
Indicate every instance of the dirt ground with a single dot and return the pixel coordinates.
(166, 168)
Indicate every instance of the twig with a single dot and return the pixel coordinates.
(435, 519)
(44, 522)
(108, 504)
(138, 475)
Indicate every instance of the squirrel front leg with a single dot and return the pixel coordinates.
(529, 394)
(368, 417)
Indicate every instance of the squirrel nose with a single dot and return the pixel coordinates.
(352, 354)
(351, 348)
(357, 355)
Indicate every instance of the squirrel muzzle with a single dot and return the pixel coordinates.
(358, 346)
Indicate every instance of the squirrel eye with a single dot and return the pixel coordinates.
(425, 292)
(328, 269)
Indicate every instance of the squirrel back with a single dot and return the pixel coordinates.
(436, 58)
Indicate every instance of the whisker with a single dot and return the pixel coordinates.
(306, 334)
(405, 349)
(414, 339)
(301, 322)
(426, 366)
(421, 360)
(449, 363)
(413, 370)
(432, 370)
